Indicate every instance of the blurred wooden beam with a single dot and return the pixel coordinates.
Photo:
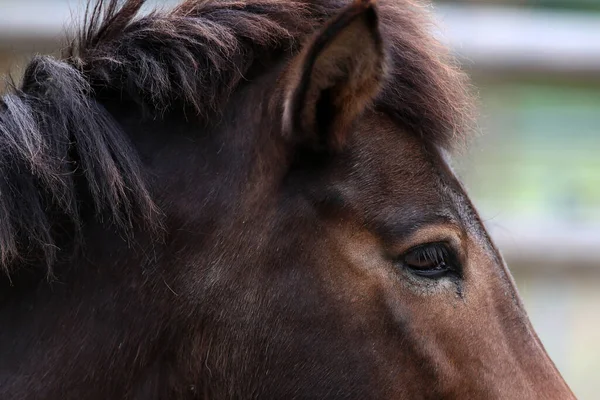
(494, 38)
(521, 40)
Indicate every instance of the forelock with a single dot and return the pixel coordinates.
(198, 53)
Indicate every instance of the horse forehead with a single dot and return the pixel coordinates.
(392, 164)
(400, 176)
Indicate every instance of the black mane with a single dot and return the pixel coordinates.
(55, 134)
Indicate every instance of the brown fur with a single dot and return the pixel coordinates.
(282, 270)
(191, 58)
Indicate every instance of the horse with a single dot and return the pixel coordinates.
(251, 199)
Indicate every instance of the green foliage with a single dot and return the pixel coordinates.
(539, 155)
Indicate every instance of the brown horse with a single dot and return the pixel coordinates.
(251, 199)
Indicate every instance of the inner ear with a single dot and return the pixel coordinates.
(325, 111)
(335, 78)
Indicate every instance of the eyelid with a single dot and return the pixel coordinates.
(440, 245)
(449, 234)
(427, 254)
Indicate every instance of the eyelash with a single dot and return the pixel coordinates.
(432, 260)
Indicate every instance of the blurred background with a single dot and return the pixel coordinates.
(534, 173)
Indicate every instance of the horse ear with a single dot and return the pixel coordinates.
(335, 77)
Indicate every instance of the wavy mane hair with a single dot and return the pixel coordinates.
(62, 151)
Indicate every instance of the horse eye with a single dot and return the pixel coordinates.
(433, 260)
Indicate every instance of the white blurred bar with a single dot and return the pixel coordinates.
(550, 245)
(483, 37)
(521, 38)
